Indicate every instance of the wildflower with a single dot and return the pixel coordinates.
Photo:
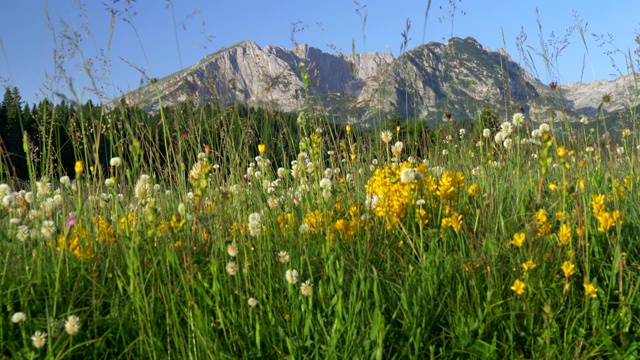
(620, 150)
(529, 265)
(626, 132)
(445, 152)
(252, 302)
(506, 128)
(518, 287)
(22, 233)
(231, 268)
(39, 339)
(232, 249)
(386, 136)
(72, 325)
(407, 175)
(396, 150)
(564, 235)
(254, 225)
(584, 120)
(283, 257)
(544, 128)
(568, 268)
(507, 143)
(291, 276)
(18, 317)
(590, 291)
(518, 239)
(79, 168)
(306, 288)
(262, 148)
(462, 132)
(499, 137)
(47, 229)
(115, 162)
(304, 228)
(486, 133)
(517, 119)
(474, 190)
(325, 183)
(110, 182)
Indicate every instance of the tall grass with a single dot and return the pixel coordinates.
(316, 240)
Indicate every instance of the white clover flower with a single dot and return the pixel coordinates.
(517, 119)
(304, 228)
(486, 133)
(115, 161)
(386, 136)
(420, 202)
(499, 138)
(72, 325)
(273, 202)
(22, 233)
(445, 152)
(534, 156)
(14, 221)
(306, 289)
(47, 229)
(232, 249)
(371, 201)
(109, 182)
(396, 150)
(325, 183)
(476, 171)
(479, 144)
(536, 133)
(584, 120)
(39, 339)
(448, 138)
(291, 276)
(65, 181)
(283, 257)
(201, 156)
(4, 190)
(252, 302)
(254, 226)
(462, 132)
(507, 143)
(544, 128)
(589, 149)
(506, 128)
(231, 268)
(8, 201)
(18, 317)
(406, 175)
(620, 150)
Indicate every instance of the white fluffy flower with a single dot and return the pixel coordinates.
(252, 302)
(486, 133)
(231, 268)
(291, 276)
(306, 288)
(517, 119)
(386, 136)
(232, 249)
(18, 317)
(406, 175)
(507, 128)
(283, 257)
(115, 161)
(72, 325)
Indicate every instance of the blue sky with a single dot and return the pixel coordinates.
(158, 38)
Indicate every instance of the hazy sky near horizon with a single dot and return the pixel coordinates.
(155, 38)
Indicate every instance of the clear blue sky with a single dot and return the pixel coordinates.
(161, 37)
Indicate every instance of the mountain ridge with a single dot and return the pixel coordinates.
(455, 78)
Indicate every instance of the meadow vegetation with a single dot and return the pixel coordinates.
(216, 232)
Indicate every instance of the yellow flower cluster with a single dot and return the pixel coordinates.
(393, 189)
(76, 242)
(606, 219)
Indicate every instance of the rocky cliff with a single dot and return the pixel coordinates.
(453, 79)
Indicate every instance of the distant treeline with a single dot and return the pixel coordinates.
(57, 135)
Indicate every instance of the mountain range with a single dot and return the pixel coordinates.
(428, 82)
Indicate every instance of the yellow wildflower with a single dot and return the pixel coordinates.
(474, 190)
(518, 287)
(590, 291)
(529, 265)
(518, 239)
(568, 268)
(564, 235)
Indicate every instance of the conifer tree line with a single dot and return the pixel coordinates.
(47, 138)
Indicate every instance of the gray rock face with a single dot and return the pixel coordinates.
(456, 78)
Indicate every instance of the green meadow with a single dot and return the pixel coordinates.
(211, 232)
